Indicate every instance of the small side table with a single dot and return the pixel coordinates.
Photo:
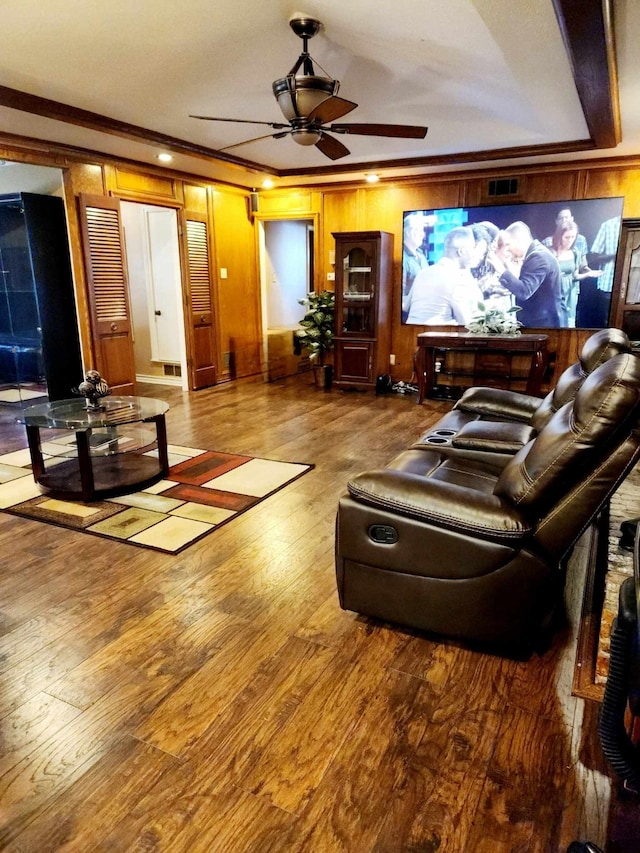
(93, 455)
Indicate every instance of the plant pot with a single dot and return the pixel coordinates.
(323, 376)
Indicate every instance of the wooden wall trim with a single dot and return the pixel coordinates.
(587, 31)
(36, 105)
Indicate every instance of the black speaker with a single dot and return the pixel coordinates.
(253, 202)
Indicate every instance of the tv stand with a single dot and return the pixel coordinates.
(449, 362)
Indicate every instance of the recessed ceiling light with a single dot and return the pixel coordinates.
(267, 183)
(165, 158)
(372, 179)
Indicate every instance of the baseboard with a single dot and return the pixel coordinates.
(159, 380)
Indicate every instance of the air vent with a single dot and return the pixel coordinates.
(500, 187)
(172, 369)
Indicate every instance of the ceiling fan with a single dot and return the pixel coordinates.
(309, 102)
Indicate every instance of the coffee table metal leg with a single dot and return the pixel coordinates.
(84, 463)
(35, 451)
(163, 455)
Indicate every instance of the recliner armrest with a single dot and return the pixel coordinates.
(498, 403)
(493, 436)
(443, 504)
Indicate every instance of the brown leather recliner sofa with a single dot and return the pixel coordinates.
(474, 548)
(491, 421)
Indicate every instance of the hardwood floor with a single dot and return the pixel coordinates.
(219, 701)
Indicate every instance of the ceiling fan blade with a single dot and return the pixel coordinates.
(331, 109)
(241, 121)
(404, 131)
(332, 148)
(256, 139)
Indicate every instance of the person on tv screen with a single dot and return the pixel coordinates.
(536, 286)
(603, 253)
(446, 293)
(413, 256)
(563, 218)
(488, 238)
(573, 269)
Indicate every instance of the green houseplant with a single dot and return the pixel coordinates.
(494, 321)
(317, 331)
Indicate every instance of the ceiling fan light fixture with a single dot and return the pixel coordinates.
(306, 136)
(298, 96)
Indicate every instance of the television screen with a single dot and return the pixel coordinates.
(553, 260)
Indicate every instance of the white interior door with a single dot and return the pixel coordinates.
(164, 268)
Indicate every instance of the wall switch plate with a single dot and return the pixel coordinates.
(223, 272)
(331, 276)
(392, 360)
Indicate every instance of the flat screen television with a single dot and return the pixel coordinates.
(566, 282)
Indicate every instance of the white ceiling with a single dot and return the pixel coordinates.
(482, 74)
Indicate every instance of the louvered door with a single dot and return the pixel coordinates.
(203, 351)
(108, 290)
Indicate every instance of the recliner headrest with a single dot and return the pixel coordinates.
(597, 349)
(605, 410)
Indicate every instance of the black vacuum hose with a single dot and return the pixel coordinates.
(616, 743)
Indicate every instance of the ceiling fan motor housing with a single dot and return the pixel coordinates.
(299, 96)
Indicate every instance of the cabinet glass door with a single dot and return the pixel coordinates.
(21, 361)
(633, 282)
(358, 314)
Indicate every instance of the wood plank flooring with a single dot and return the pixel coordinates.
(219, 701)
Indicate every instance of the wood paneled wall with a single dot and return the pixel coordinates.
(336, 208)
(239, 301)
(381, 206)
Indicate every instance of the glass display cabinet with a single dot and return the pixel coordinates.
(39, 338)
(625, 312)
(363, 307)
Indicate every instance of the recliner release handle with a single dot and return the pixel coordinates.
(384, 534)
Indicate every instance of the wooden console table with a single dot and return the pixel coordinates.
(458, 360)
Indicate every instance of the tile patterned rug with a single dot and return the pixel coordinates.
(203, 491)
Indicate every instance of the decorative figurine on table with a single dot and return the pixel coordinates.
(93, 389)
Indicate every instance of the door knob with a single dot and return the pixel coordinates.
(158, 313)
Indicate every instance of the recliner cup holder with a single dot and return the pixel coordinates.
(440, 436)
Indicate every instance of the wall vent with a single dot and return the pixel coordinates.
(499, 187)
(172, 369)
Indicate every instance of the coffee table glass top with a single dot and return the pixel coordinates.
(72, 414)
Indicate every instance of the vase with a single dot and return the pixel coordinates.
(323, 376)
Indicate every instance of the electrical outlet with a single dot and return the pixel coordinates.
(392, 360)
(331, 276)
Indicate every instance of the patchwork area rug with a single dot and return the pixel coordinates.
(203, 491)
(17, 395)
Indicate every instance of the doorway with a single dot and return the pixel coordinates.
(286, 273)
(155, 289)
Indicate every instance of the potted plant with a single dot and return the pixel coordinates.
(494, 321)
(316, 333)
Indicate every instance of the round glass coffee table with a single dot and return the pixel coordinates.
(95, 454)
